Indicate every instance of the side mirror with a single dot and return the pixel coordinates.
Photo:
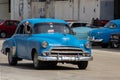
(28, 29)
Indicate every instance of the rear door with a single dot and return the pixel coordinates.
(20, 38)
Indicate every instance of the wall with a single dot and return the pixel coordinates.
(89, 9)
(107, 9)
(4, 9)
(63, 10)
(21, 9)
(83, 10)
(67, 10)
(38, 9)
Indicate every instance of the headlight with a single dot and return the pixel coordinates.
(88, 45)
(44, 44)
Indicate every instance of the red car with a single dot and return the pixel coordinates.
(7, 27)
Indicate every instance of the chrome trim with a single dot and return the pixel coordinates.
(65, 54)
(62, 51)
(92, 39)
(63, 58)
(66, 48)
(97, 40)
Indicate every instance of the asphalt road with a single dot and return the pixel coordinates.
(105, 66)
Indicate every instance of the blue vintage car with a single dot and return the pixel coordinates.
(46, 41)
(82, 32)
(102, 35)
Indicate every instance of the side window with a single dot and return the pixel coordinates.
(8, 23)
(15, 23)
(20, 30)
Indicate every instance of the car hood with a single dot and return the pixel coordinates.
(58, 39)
(81, 32)
(101, 30)
(82, 29)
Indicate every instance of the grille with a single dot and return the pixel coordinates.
(66, 51)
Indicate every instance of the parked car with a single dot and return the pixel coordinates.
(82, 32)
(99, 23)
(115, 40)
(81, 29)
(102, 35)
(75, 23)
(46, 41)
(7, 27)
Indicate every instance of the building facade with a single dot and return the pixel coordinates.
(82, 10)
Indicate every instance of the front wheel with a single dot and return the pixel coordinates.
(36, 62)
(114, 45)
(12, 60)
(82, 64)
(3, 35)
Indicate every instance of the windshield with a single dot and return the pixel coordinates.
(51, 28)
(110, 25)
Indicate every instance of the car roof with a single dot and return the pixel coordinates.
(43, 20)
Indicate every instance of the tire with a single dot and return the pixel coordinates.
(104, 45)
(36, 62)
(82, 64)
(12, 60)
(3, 35)
(51, 64)
(114, 45)
(41, 64)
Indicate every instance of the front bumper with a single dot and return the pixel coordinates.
(63, 58)
(92, 39)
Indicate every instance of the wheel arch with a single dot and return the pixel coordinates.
(6, 50)
(33, 52)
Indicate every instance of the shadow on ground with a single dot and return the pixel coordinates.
(29, 66)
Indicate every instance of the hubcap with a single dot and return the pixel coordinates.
(115, 45)
(3, 34)
(10, 57)
(35, 60)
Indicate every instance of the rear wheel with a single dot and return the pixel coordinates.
(82, 64)
(12, 60)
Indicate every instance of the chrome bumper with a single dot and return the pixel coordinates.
(92, 39)
(65, 58)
